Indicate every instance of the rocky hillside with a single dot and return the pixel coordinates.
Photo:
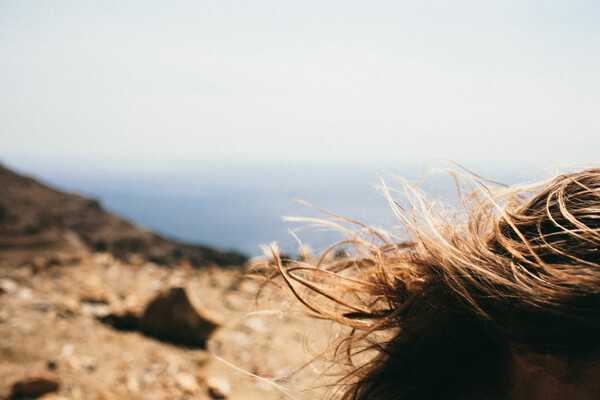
(36, 220)
(92, 307)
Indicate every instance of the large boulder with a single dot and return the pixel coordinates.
(171, 316)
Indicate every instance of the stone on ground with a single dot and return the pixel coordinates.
(171, 316)
(32, 386)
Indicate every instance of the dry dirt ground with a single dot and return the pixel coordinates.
(49, 326)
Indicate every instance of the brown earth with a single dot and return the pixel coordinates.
(79, 286)
(49, 324)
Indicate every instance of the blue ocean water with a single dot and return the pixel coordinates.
(240, 205)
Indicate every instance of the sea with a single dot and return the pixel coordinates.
(243, 205)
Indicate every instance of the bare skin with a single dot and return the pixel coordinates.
(537, 377)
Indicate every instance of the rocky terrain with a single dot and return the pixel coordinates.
(54, 327)
(91, 309)
(38, 220)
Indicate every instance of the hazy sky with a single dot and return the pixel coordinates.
(123, 82)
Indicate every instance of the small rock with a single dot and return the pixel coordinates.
(171, 316)
(256, 324)
(136, 260)
(89, 363)
(133, 304)
(202, 359)
(25, 294)
(33, 386)
(157, 284)
(241, 339)
(97, 310)
(68, 350)
(150, 376)
(132, 384)
(187, 382)
(103, 258)
(243, 355)
(94, 291)
(218, 388)
(7, 286)
(51, 365)
(74, 364)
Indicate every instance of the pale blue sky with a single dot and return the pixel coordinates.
(148, 82)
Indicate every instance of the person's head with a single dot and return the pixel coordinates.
(500, 302)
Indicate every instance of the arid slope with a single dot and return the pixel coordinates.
(38, 220)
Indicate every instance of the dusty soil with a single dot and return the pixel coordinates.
(65, 263)
(49, 325)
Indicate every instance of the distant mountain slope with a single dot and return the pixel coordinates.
(38, 220)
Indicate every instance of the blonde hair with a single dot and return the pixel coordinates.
(437, 306)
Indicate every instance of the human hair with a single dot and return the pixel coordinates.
(436, 306)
